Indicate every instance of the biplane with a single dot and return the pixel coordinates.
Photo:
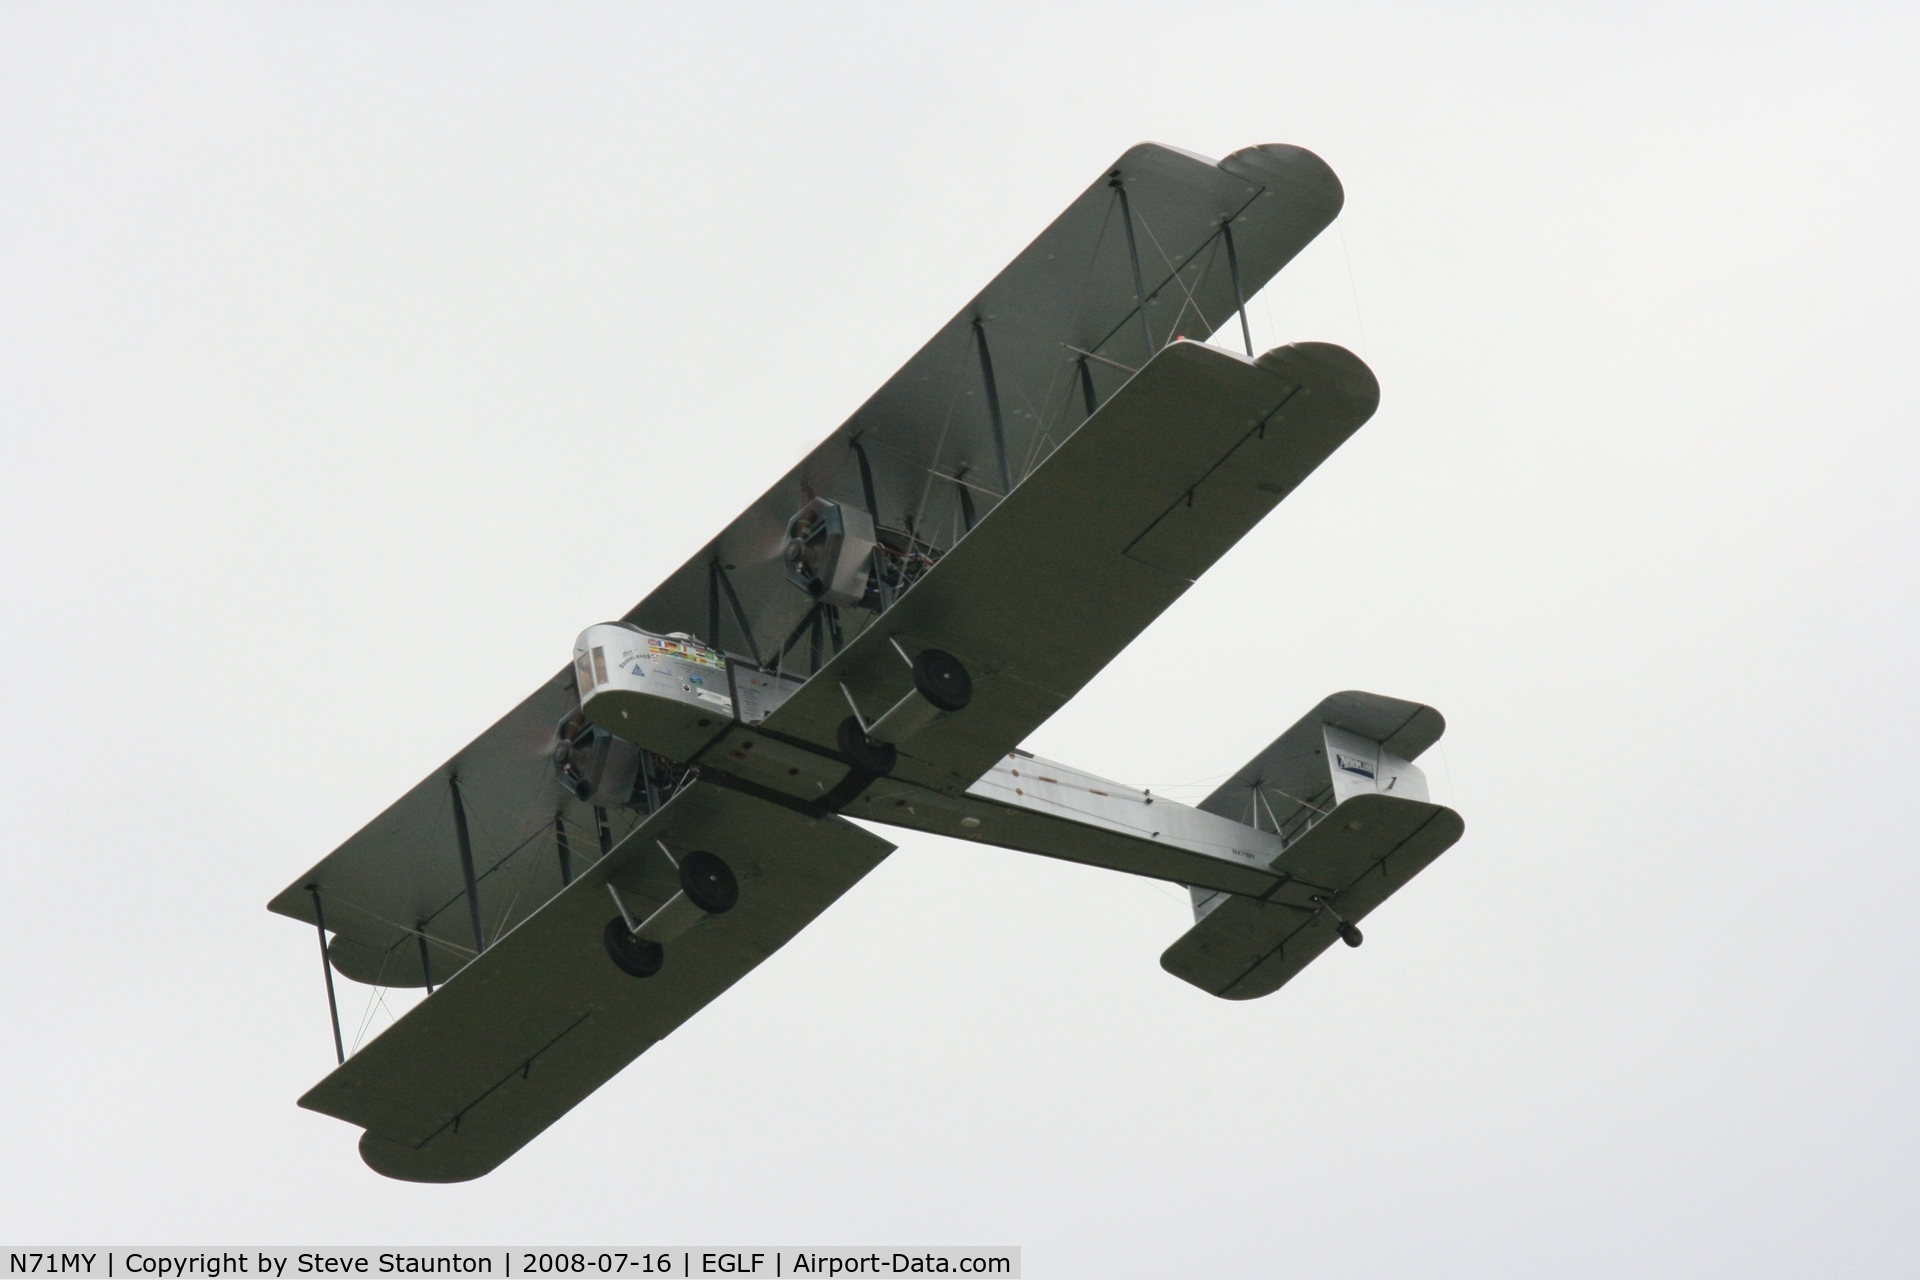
(870, 643)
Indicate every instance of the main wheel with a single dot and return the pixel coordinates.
(876, 758)
(632, 955)
(708, 883)
(1350, 934)
(941, 680)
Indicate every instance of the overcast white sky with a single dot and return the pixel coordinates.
(354, 356)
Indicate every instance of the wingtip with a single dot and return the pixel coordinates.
(1330, 369)
(1298, 170)
(427, 1163)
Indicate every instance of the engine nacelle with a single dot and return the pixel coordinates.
(597, 767)
(829, 552)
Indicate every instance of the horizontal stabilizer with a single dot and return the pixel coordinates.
(1290, 780)
(1369, 846)
(1355, 824)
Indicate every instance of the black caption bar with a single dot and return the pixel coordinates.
(817, 1263)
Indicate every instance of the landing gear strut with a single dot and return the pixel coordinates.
(707, 888)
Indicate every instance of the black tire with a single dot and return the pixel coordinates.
(941, 680)
(876, 758)
(1351, 935)
(629, 954)
(708, 883)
